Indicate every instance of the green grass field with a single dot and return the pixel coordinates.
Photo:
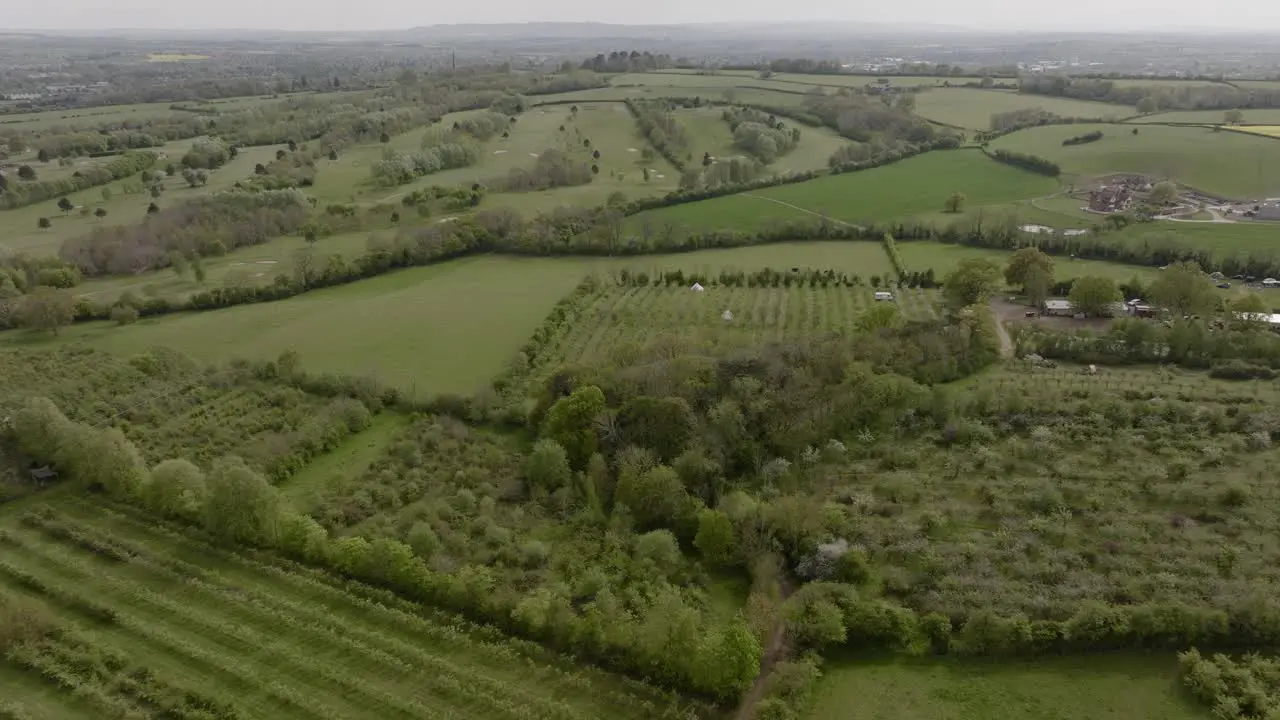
(1222, 238)
(262, 637)
(972, 108)
(908, 188)
(18, 227)
(1228, 164)
(609, 126)
(1095, 687)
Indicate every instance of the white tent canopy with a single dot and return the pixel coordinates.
(697, 288)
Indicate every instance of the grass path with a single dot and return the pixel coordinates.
(349, 459)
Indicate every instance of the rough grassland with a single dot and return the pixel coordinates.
(19, 231)
(1096, 687)
(918, 185)
(1222, 238)
(275, 641)
(972, 108)
(1220, 163)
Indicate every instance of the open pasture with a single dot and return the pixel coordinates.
(185, 624)
(972, 108)
(19, 231)
(1129, 686)
(898, 191)
(1227, 164)
(1224, 239)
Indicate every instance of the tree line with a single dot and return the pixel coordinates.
(1150, 98)
(1026, 161)
(15, 194)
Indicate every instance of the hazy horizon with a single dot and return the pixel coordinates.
(384, 15)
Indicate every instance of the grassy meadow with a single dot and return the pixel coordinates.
(908, 188)
(972, 108)
(1094, 687)
(1226, 164)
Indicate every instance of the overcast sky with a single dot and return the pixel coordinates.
(397, 14)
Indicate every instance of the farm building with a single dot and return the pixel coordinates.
(1271, 283)
(1268, 211)
(1057, 307)
(1109, 199)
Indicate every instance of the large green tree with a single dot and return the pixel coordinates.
(47, 308)
(972, 281)
(1182, 289)
(1093, 295)
(571, 421)
(242, 507)
(176, 489)
(1024, 264)
(663, 425)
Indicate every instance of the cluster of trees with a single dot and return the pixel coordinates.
(1094, 136)
(711, 174)
(553, 168)
(1247, 688)
(1150, 98)
(289, 170)
(622, 61)
(399, 168)
(442, 198)
(759, 134)
(482, 127)
(1026, 161)
(200, 227)
(15, 195)
(658, 125)
(207, 153)
(861, 117)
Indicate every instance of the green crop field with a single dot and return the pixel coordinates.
(902, 190)
(19, 231)
(1132, 687)
(972, 108)
(187, 623)
(1228, 164)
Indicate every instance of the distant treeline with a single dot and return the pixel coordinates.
(627, 61)
(1165, 96)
